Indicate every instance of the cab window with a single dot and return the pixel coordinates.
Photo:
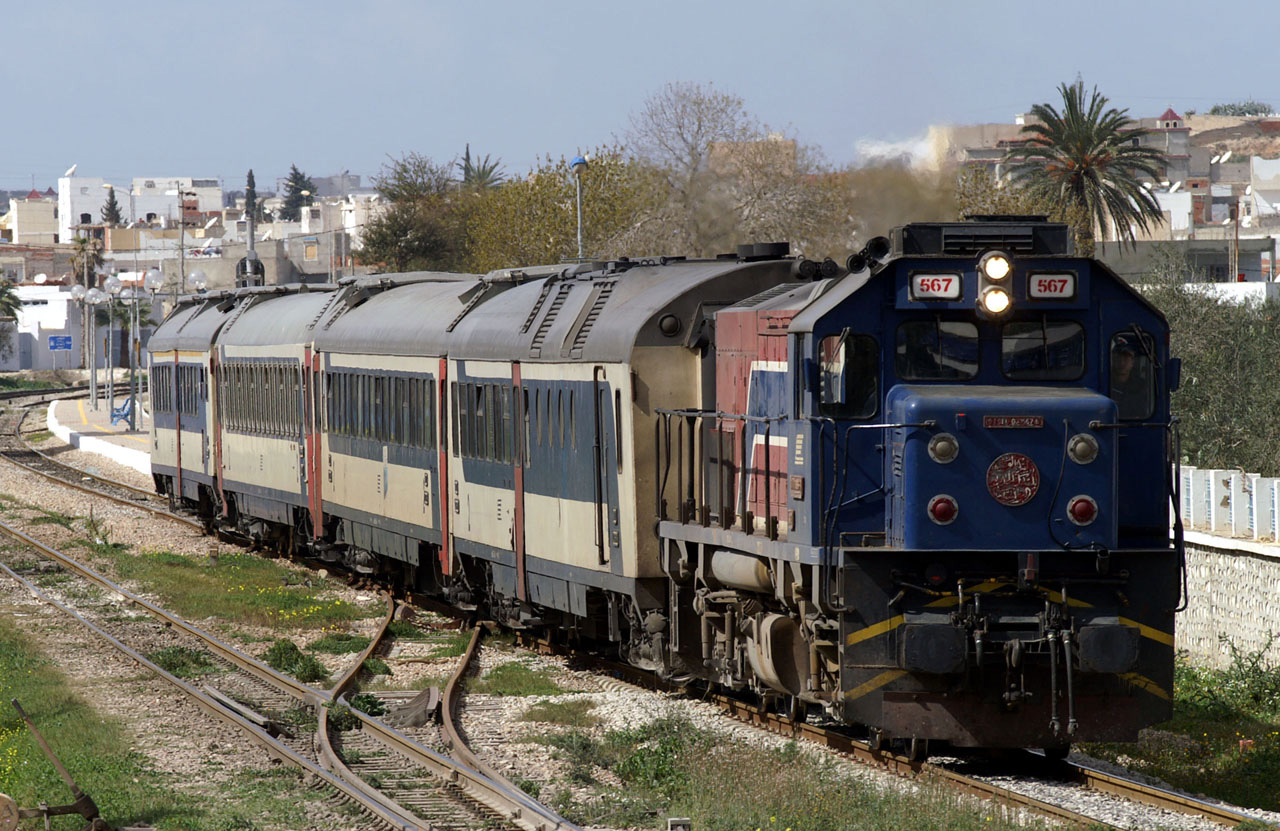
(936, 350)
(1133, 383)
(849, 373)
(1042, 350)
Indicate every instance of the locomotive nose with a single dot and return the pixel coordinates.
(1026, 469)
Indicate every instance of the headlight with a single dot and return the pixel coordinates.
(995, 301)
(1082, 448)
(995, 266)
(943, 448)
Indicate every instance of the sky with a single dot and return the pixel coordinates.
(212, 89)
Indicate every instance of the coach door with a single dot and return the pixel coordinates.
(605, 451)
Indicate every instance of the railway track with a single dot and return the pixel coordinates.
(404, 778)
(409, 758)
(1046, 770)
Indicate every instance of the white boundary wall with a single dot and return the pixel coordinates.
(1232, 522)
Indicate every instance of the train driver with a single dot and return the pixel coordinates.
(1131, 386)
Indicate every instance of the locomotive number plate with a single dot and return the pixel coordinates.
(935, 286)
(1057, 286)
(1013, 479)
(996, 422)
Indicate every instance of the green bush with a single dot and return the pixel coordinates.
(366, 703)
(182, 661)
(285, 656)
(376, 666)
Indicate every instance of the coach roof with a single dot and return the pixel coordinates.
(264, 318)
(192, 326)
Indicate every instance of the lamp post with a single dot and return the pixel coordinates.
(579, 166)
(152, 281)
(113, 287)
(77, 295)
(93, 298)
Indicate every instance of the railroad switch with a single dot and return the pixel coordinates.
(83, 805)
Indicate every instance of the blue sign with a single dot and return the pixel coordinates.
(59, 343)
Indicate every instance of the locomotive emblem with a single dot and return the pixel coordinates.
(1013, 479)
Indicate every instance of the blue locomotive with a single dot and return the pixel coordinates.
(927, 493)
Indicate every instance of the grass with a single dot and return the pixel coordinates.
(96, 749)
(385, 683)
(572, 712)
(453, 646)
(47, 517)
(11, 382)
(671, 768)
(239, 588)
(183, 662)
(38, 436)
(514, 678)
(339, 643)
(1224, 737)
(285, 656)
(405, 631)
(375, 666)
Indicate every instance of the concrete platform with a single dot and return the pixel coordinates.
(79, 425)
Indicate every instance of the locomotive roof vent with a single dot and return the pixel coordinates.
(1018, 235)
(764, 251)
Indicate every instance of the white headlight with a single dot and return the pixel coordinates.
(995, 301)
(996, 266)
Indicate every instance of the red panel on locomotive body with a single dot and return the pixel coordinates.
(752, 381)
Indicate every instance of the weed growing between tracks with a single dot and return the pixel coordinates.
(669, 767)
(97, 752)
(513, 678)
(1224, 737)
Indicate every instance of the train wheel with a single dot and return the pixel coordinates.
(917, 749)
(1057, 752)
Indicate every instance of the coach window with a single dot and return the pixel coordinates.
(849, 376)
(508, 436)
(1133, 383)
(936, 350)
(617, 426)
(573, 422)
(526, 419)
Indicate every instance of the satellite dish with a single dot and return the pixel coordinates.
(71, 170)
(1175, 187)
(1147, 185)
(1215, 160)
(40, 279)
(1248, 190)
(1226, 221)
(1224, 158)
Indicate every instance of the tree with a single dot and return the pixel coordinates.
(533, 220)
(111, 210)
(10, 306)
(295, 198)
(726, 178)
(1241, 108)
(1230, 388)
(1088, 160)
(979, 193)
(424, 226)
(413, 176)
(481, 174)
(426, 234)
(86, 253)
(252, 204)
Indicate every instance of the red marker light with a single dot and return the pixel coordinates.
(1082, 510)
(943, 510)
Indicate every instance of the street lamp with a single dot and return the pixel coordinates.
(113, 288)
(199, 280)
(93, 298)
(152, 281)
(579, 166)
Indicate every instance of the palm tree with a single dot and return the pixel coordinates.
(480, 174)
(85, 248)
(10, 305)
(1087, 160)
